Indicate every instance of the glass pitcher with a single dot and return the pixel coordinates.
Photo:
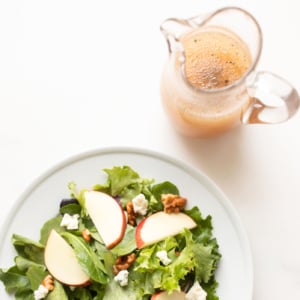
(209, 83)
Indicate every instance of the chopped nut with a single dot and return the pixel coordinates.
(173, 203)
(86, 235)
(48, 283)
(123, 263)
(130, 213)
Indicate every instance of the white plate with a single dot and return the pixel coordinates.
(41, 200)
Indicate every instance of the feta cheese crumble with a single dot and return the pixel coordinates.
(122, 278)
(70, 222)
(196, 292)
(140, 204)
(163, 256)
(40, 293)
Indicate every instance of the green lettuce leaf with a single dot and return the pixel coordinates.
(53, 223)
(157, 191)
(115, 291)
(14, 280)
(87, 258)
(28, 248)
(124, 183)
(58, 293)
(23, 264)
(128, 243)
(194, 253)
(36, 274)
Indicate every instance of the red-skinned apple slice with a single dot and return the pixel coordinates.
(161, 225)
(176, 295)
(61, 261)
(107, 215)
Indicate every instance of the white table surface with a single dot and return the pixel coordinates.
(79, 75)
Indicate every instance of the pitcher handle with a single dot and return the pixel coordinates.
(274, 100)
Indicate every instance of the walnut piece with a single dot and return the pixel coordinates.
(173, 203)
(130, 213)
(123, 263)
(86, 235)
(48, 283)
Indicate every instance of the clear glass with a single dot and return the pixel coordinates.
(255, 97)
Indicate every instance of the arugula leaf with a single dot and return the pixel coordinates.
(73, 191)
(53, 223)
(87, 258)
(14, 280)
(29, 248)
(23, 264)
(80, 293)
(165, 187)
(115, 291)
(24, 294)
(36, 275)
(128, 243)
(58, 293)
(79, 196)
(157, 190)
(70, 209)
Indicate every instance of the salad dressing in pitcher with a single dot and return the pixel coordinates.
(213, 58)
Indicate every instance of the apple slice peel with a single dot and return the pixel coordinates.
(161, 225)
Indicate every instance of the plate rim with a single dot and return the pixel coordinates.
(193, 171)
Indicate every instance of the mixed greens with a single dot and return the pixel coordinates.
(194, 253)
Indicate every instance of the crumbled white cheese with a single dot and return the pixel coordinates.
(122, 278)
(163, 256)
(40, 293)
(70, 222)
(140, 204)
(196, 292)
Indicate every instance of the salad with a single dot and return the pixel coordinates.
(126, 238)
